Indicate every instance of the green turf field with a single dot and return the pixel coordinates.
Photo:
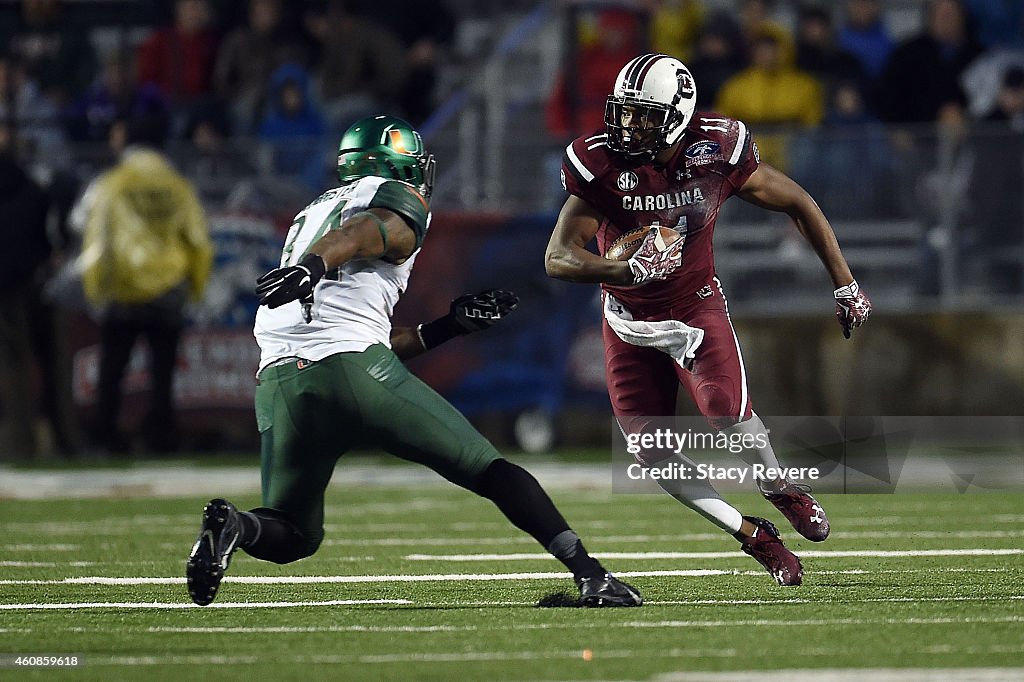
(906, 581)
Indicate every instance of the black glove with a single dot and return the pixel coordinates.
(293, 283)
(467, 314)
(476, 312)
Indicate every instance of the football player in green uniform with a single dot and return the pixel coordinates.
(331, 377)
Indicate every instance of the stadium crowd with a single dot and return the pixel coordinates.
(292, 75)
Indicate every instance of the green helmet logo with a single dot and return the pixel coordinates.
(388, 147)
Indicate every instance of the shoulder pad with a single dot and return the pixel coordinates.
(585, 159)
(404, 200)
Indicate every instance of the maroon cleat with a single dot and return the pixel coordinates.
(766, 546)
(800, 509)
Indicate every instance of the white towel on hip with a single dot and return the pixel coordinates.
(669, 336)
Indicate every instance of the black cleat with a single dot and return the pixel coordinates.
(607, 591)
(210, 556)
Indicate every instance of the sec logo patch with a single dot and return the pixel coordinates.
(627, 181)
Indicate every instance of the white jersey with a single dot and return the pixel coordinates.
(351, 312)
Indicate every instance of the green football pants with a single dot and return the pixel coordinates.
(310, 413)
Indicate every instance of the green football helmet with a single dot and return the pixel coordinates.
(385, 146)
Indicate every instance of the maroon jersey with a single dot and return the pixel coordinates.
(714, 159)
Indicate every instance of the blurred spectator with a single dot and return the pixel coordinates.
(719, 55)
(866, 37)
(847, 163)
(999, 23)
(983, 79)
(755, 15)
(576, 103)
(210, 160)
(944, 201)
(293, 127)
(31, 117)
(361, 69)
(923, 72)
(114, 95)
(55, 52)
(179, 58)
(23, 225)
(772, 91)
(817, 52)
(675, 26)
(998, 206)
(247, 58)
(145, 253)
(426, 29)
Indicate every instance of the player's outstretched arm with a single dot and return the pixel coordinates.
(770, 188)
(567, 257)
(467, 314)
(373, 233)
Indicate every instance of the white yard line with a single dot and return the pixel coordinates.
(182, 605)
(819, 554)
(576, 625)
(328, 628)
(416, 578)
(47, 564)
(680, 537)
(852, 675)
(350, 579)
(795, 675)
(59, 606)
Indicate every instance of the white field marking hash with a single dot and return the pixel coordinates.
(814, 554)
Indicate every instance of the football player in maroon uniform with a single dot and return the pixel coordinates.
(656, 163)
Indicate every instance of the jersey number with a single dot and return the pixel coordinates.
(331, 222)
(293, 234)
(720, 124)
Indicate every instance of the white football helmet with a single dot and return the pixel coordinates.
(651, 104)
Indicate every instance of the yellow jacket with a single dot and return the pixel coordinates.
(144, 233)
(773, 96)
(762, 96)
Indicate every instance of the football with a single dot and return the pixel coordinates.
(626, 245)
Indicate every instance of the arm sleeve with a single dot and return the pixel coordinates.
(406, 202)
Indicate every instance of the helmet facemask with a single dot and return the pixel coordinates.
(638, 129)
